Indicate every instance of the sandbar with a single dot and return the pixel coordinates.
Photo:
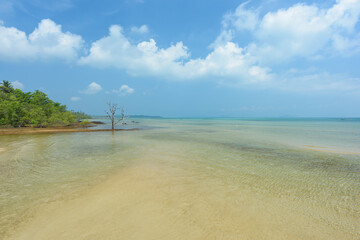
(19, 131)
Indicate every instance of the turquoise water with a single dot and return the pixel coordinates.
(305, 173)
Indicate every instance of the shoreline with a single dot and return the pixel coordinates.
(22, 131)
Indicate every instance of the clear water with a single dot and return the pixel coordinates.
(185, 179)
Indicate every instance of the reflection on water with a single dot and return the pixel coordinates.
(184, 179)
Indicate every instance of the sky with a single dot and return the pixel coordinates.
(188, 58)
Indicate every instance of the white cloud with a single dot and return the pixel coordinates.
(347, 46)
(46, 41)
(18, 85)
(124, 90)
(74, 99)
(140, 30)
(300, 31)
(92, 88)
(241, 18)
(145, 58)
(228, 62)
(224, 37)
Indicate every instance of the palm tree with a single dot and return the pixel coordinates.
(6, 86)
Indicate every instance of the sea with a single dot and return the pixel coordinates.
(211, 178)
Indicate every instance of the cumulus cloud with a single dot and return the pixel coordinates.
(226, 62)
(174, 62)
(144, 58)
(224, 37)
(124, 90)
(18, 85)
(141, 30)
(241, 18)
(92, 88)
(74, 99)
(46, 41)
(302, 30)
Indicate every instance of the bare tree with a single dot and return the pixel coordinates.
(113, 107)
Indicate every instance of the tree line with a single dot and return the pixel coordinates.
(21, 109)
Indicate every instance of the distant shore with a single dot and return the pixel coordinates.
(66, 129)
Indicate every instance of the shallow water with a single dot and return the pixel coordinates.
(185, 179)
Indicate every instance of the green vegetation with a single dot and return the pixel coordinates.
(85, 123)
(20, 109)
(81, 115)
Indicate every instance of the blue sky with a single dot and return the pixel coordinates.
(202, 58)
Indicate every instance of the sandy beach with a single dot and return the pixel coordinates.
(148, 201)
(182, 179)
(179, 120)
(20, 131)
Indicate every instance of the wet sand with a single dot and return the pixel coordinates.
(148, 201)
(19, 131)
(182, 180)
